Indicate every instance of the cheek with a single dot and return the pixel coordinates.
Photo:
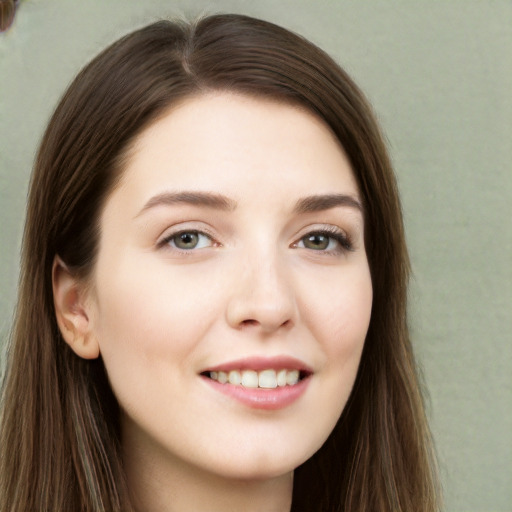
(148, 316)
(339, 315)
(339, 319)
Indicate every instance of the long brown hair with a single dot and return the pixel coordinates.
(59, 431)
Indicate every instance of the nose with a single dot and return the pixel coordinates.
(262, 296)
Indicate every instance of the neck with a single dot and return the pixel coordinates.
(176, 486)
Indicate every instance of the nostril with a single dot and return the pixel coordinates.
(247, 323)
(255, 323)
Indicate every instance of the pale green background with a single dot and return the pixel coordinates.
(439, 74)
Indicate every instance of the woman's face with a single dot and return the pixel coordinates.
(232, 249)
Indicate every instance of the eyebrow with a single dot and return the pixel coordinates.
(207, 199)
(318, 203)
(309, 204)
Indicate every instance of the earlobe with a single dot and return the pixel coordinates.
(73, 317)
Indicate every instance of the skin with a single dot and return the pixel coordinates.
(253, 286)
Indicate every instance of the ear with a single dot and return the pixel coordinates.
(72, 311)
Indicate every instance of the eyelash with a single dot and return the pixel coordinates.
(167, 240)
(342, 239)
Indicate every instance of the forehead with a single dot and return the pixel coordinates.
(236, 144)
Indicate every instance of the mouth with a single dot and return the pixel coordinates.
(265, 387)
(268, 378)
(267, 383)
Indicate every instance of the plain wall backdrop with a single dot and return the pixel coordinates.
(439, 74)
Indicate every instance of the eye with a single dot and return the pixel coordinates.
(326, 241)
(317, 241)
(188, 240)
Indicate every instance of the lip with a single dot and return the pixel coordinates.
(261, 363)
(258, 398)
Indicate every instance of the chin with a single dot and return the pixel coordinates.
(264, 465)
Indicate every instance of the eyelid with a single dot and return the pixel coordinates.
(170, 233)
(342, 237)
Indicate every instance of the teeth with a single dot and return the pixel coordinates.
(235, 378)
(266, 379)
(292, 377)
(250, 379)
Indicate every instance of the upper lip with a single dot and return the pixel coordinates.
(259, 363)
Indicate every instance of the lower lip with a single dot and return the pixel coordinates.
(258, 398)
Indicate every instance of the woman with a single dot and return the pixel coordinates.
(212, 310)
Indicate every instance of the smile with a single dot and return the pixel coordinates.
(261, 382)
(265, 379)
